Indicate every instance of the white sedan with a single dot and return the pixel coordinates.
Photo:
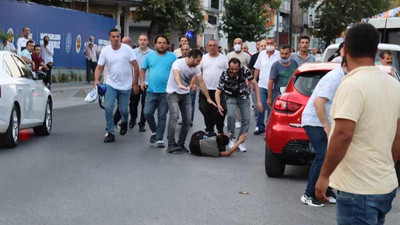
(25, 102)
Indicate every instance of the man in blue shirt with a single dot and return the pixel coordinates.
(159, 65)
(303, 56)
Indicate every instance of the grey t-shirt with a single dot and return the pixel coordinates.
(209, 147)
(281, 73)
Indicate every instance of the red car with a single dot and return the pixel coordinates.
(286, 140)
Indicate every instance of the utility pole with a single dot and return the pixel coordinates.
(291, 24)
(277, 26)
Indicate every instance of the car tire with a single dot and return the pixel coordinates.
(273, 165)
(397, 167)
(11, 137)
(45, 128)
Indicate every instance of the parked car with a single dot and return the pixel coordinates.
(25, 102)
(286, 140)
(331, 49)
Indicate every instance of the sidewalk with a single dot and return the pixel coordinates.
(70, 94)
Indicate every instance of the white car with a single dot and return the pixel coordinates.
(25, 102)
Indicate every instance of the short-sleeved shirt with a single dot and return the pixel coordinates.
(37, 60)
(236, 86)
(212, 68)
(21, 44)
(242, 56)
(368, 97)
(159, 67)
(118, 65)
(264, 64)
(209, 147)
(186, 74)
(296, 57)
(26, 54)
(9, 47)
(140, 57)
(282, 73)
(326, 88)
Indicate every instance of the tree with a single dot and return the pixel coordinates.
(246, 19)
(333, 16)
(164, 14)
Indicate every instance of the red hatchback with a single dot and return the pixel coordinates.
(287, 142)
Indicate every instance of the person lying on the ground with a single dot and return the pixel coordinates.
(201, 145)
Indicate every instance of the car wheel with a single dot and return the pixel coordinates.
(273, 165)
(45, 128)
(10, 138)
(397, 166)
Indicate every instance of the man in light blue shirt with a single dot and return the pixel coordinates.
(26, 54)
(141, 53)
(159, 65)
(317, 122)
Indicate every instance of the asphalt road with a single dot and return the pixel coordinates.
(72, 177)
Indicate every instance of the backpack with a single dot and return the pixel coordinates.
(194, 145)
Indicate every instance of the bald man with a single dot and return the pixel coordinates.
(239, 53)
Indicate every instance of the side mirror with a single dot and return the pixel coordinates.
(40, 75)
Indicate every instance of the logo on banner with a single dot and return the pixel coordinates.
(68, 43)
(78, 43)
(10, 32)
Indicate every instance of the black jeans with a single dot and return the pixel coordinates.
(90, 65)
(133, 106)
(210, 112)
(47, 80)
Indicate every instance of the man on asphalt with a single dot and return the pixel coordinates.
(234, 83)
(316, 121)
(178, 97)
(119, 59)
(183, 40)
(47, 52)
(159, 65)
(212, 67)
(91, 52)
(261, 73)
(303, 55)
(365, 137)
(22, 41)
(281, 71)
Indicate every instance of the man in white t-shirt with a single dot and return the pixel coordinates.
(21, 42)
(212, 67)
(118, 59)
(178, 97)
(364, 142)
(262, 70)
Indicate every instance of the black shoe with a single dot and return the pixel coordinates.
(180, 123)
(109, 138)
(191, 124)
(131, 124)
(124, 128)
(183, 148)
(173, 148)
(153, 138)
(142, 129)
(211, 134)
(257, 132)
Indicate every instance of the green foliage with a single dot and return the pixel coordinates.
(334, 16)
(164, 14)
(246, 19)
(3, 35)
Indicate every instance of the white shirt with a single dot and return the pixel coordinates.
(186, 74)
(119, 68)
(21, 43)
(264, 64)
(47, 53)
(212, 69)
(9, 47)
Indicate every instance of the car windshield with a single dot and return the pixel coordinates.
(306, 82)
(396, 58)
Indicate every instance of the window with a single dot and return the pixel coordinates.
(13, 68)
(305, 83)
(215, 4)
(26, 72)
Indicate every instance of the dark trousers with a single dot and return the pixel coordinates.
(210, 112)
(90, 65)
(133, 106)
(47, 81)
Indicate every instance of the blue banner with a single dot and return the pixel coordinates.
(68, 30)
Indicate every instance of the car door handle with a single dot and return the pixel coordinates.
(19, 90)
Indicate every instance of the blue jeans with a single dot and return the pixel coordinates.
(261, 115)
(244, 107)
(355, 209)
(156, 101)
(193, 99)
(123, 103)
(176, 103)
(319, 142)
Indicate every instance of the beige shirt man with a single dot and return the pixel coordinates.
(367, 167)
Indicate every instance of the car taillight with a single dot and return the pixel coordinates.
(286, 106)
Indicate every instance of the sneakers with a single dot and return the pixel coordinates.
(173, 148)
(124, 128)
(109, 138)
(131, 124)
(311, 201)
(331, 196)
(184, 149)
(142, 129)
(231, 143)
(160, 144)
(153, 138)
(258, 131)
(242, 147)
(238, 124)
(117, 127)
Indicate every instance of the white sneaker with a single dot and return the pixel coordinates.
(242, 147)
(238, 124)
(117, 128)
(231, 143)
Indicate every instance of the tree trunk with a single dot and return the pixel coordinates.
(152, 32)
